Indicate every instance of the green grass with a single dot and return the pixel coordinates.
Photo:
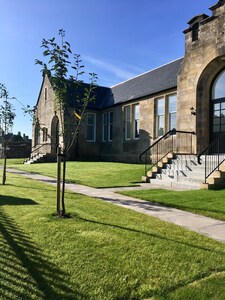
(101, 252)
(95, 174)
(209, 203)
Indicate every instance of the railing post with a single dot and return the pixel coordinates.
(157, 151)
(205, 167)
(146, 157)
(218, 153)
(172, 143)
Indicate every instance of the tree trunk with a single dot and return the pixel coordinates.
(58, 181)
(4, 171)
(63, 185)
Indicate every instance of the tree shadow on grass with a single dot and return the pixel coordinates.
(10, 200)
(154, 235)
(31, 187)
(169, 288)
(27, 273)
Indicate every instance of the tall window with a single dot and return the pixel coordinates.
(127, 111)
(160, 120)
(136, 121)
(131, 116)
(172, 110)
(91, 127)
(166, 114)
(110, 129)
(107, 126)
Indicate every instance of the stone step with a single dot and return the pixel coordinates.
(178, 184)
(177, 178)
(36, 159)
(185, 172)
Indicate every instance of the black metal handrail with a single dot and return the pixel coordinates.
(214, 155)
(174, 141)
(36, 151)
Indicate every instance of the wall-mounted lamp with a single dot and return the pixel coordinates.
(193, 111)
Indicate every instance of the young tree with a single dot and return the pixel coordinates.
(7, 116)
(60, 62)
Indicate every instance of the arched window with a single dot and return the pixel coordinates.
(218, 88)
(218, 104)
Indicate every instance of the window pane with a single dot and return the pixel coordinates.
(110, 126)
(91, 127)
(104, 127)
(136, 121)
(160, 116)
(216, 121)
(90, 133)
(136, 112)
(136, 129)
(216, 114)
(216, 128)
(90, 119)
(160, 125)
(222, 120)
(222, 113)
(172, 103)
(127, 123)
(172, 121)
(218, 89)
(160, 106)
(111, 117)
(217, 106)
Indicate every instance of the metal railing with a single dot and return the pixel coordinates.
(36, 152)
(213, 155)
(174, 142)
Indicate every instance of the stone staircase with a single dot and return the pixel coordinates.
(38, 158)
(184, 172)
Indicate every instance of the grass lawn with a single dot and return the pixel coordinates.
(94, 174)
(102, 252)
(209, 203)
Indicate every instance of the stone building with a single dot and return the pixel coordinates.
(187, 94)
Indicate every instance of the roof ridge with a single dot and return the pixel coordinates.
(146, 72)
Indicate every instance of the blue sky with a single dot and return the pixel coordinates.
(117, 39)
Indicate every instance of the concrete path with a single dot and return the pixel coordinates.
(206, 226)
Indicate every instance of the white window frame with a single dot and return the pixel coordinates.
(107, 125)
(93, 126)
(110, 126)
(160, 115)
(171, 112)
(166, 114)
(127, 122)
(136, 121)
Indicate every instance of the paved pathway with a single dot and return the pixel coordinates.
(206, 226)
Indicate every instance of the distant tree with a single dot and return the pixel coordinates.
(60, 63)
(7, 116)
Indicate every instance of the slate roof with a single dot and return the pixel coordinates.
(151, 82)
